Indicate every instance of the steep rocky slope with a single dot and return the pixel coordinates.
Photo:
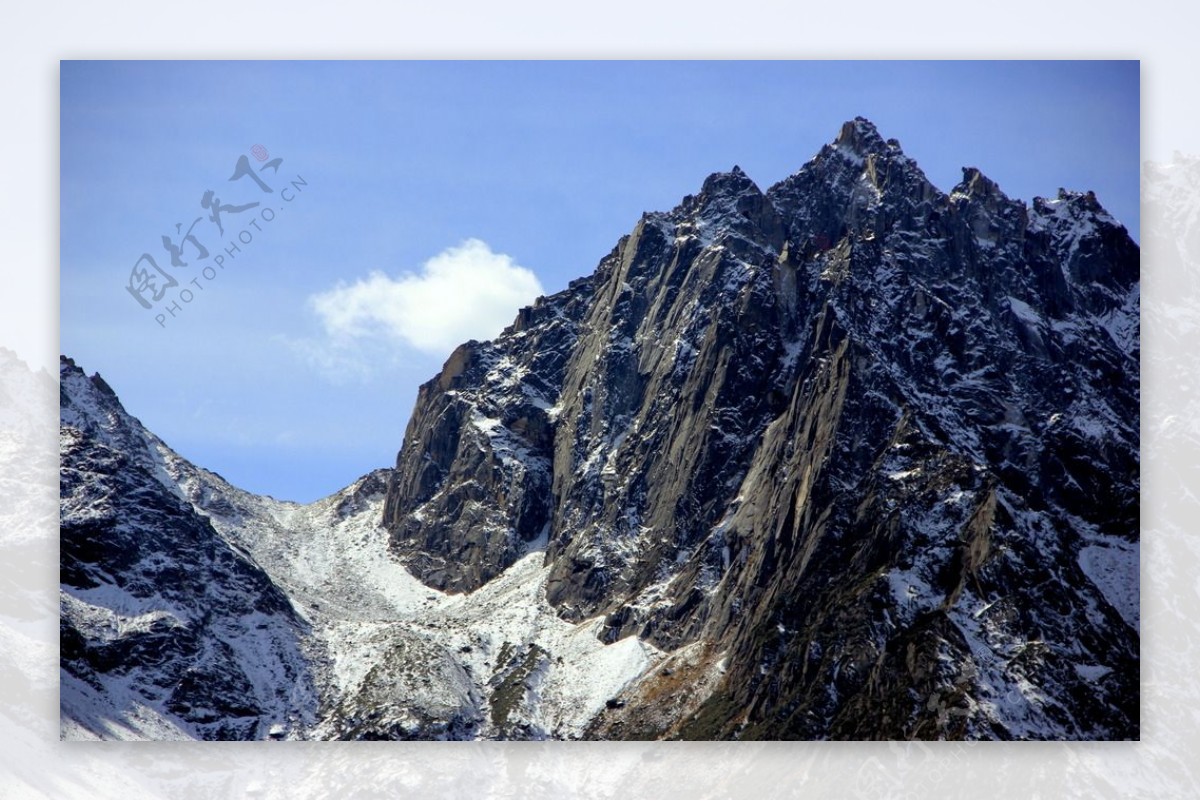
(167, 630)
(873, 446)
(193, 609)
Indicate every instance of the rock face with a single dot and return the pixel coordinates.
(866, 449)
(167, 630)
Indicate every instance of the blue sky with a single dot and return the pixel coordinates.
(432, 199)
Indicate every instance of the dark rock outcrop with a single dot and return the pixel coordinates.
(158, 611)
(874, 445)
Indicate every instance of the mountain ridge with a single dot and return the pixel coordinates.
(796, 288)
(848, 458)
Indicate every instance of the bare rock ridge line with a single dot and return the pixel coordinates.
(849, 458)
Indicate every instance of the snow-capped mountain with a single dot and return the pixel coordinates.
(848, 458)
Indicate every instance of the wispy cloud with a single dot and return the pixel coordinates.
(465, 292)
(340, 360)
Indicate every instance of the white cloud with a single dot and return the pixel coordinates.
(464, 292)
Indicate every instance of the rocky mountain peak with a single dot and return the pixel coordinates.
(849, 458)
(168, 629)
(720, 193)
(1077, 205)
(721, 189)
(858, 186)
(860, 136)
(977, 186)
(735, 181)
(852, 387)
(728, 204)
(860, 147)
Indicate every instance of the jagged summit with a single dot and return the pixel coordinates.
(860, 143)
(862, 137)
(717, 193)
(850, 380)
(169, 630)
(1085, 201)
(732, 182)
(975, 184)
